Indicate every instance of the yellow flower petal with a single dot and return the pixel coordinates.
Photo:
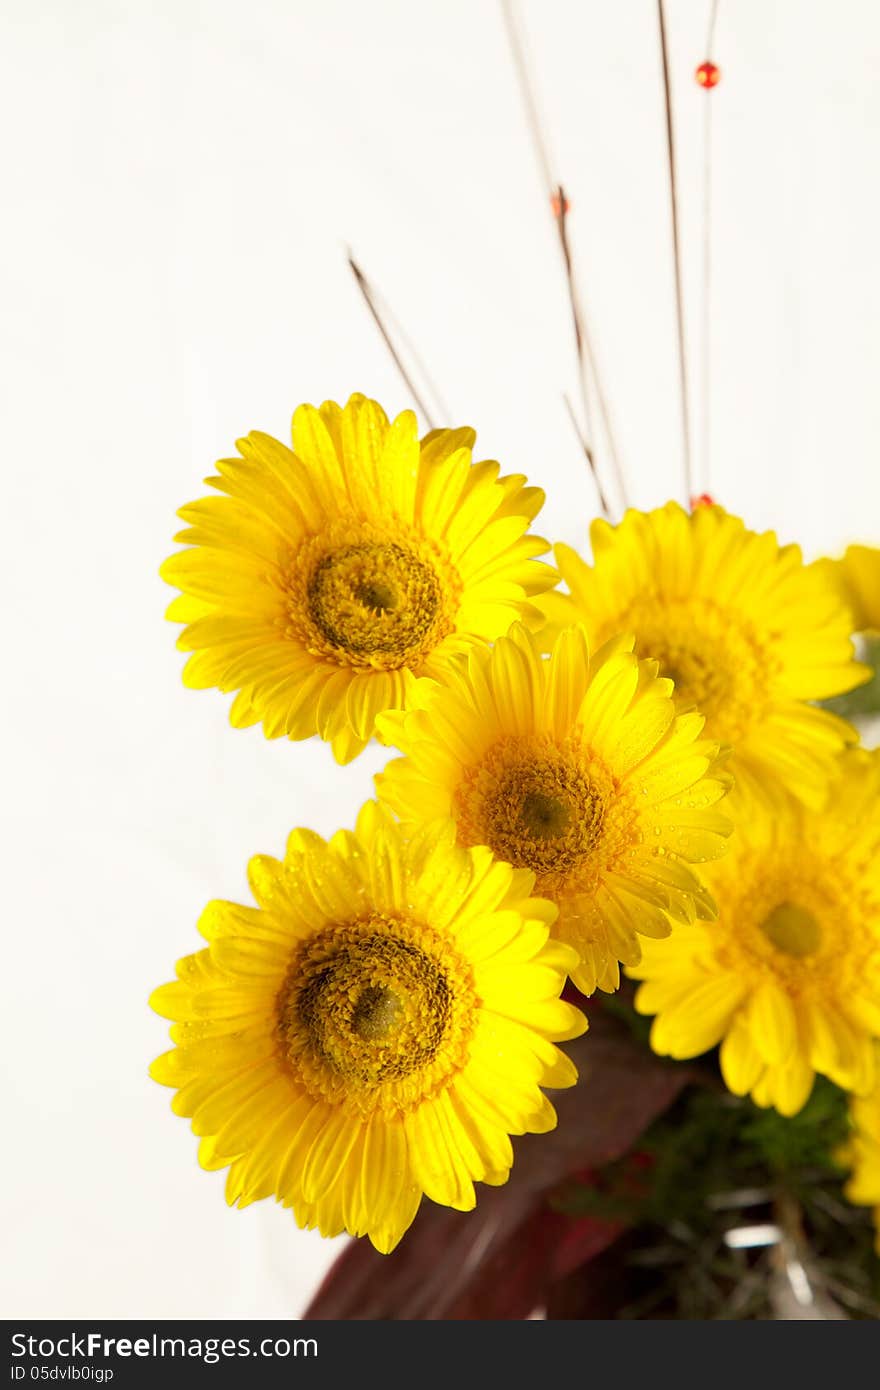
(332, 1046)
(796, 942)
(578, 770)
(328, 578)
(746, 631)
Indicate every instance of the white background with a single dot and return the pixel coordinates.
(180, 180)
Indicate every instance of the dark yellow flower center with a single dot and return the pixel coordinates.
(793, 930)
(791, 909)
(544, 817)
(540, 805)
(373, 598)
(377, 1012)
(369, 600)
(718, 665)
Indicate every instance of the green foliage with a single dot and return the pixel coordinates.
(864, 701)
(806, 1141)
(713, 1162)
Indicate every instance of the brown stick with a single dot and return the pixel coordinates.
(586, 361)
(589, 378)
(706, 345)
(366, 290)
(588, 455)
(679, 299)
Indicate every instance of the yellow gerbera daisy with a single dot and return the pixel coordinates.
(862, 1152)
(375, 1029)
(330, 577)
(860, 572)
(788, 978)
(745, 629)
(577, 768)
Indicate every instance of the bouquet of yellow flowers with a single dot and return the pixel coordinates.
(634, 775)
(629, 787)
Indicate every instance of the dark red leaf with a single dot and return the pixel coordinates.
(598, 1289)
(500, 1260)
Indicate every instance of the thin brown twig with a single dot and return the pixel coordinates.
(589, 377)
(706, 345)
(588, 370)
(559, 204)
(370, 297)
(527, 88)
(588, 455)
(417, 360)
(679, 298)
